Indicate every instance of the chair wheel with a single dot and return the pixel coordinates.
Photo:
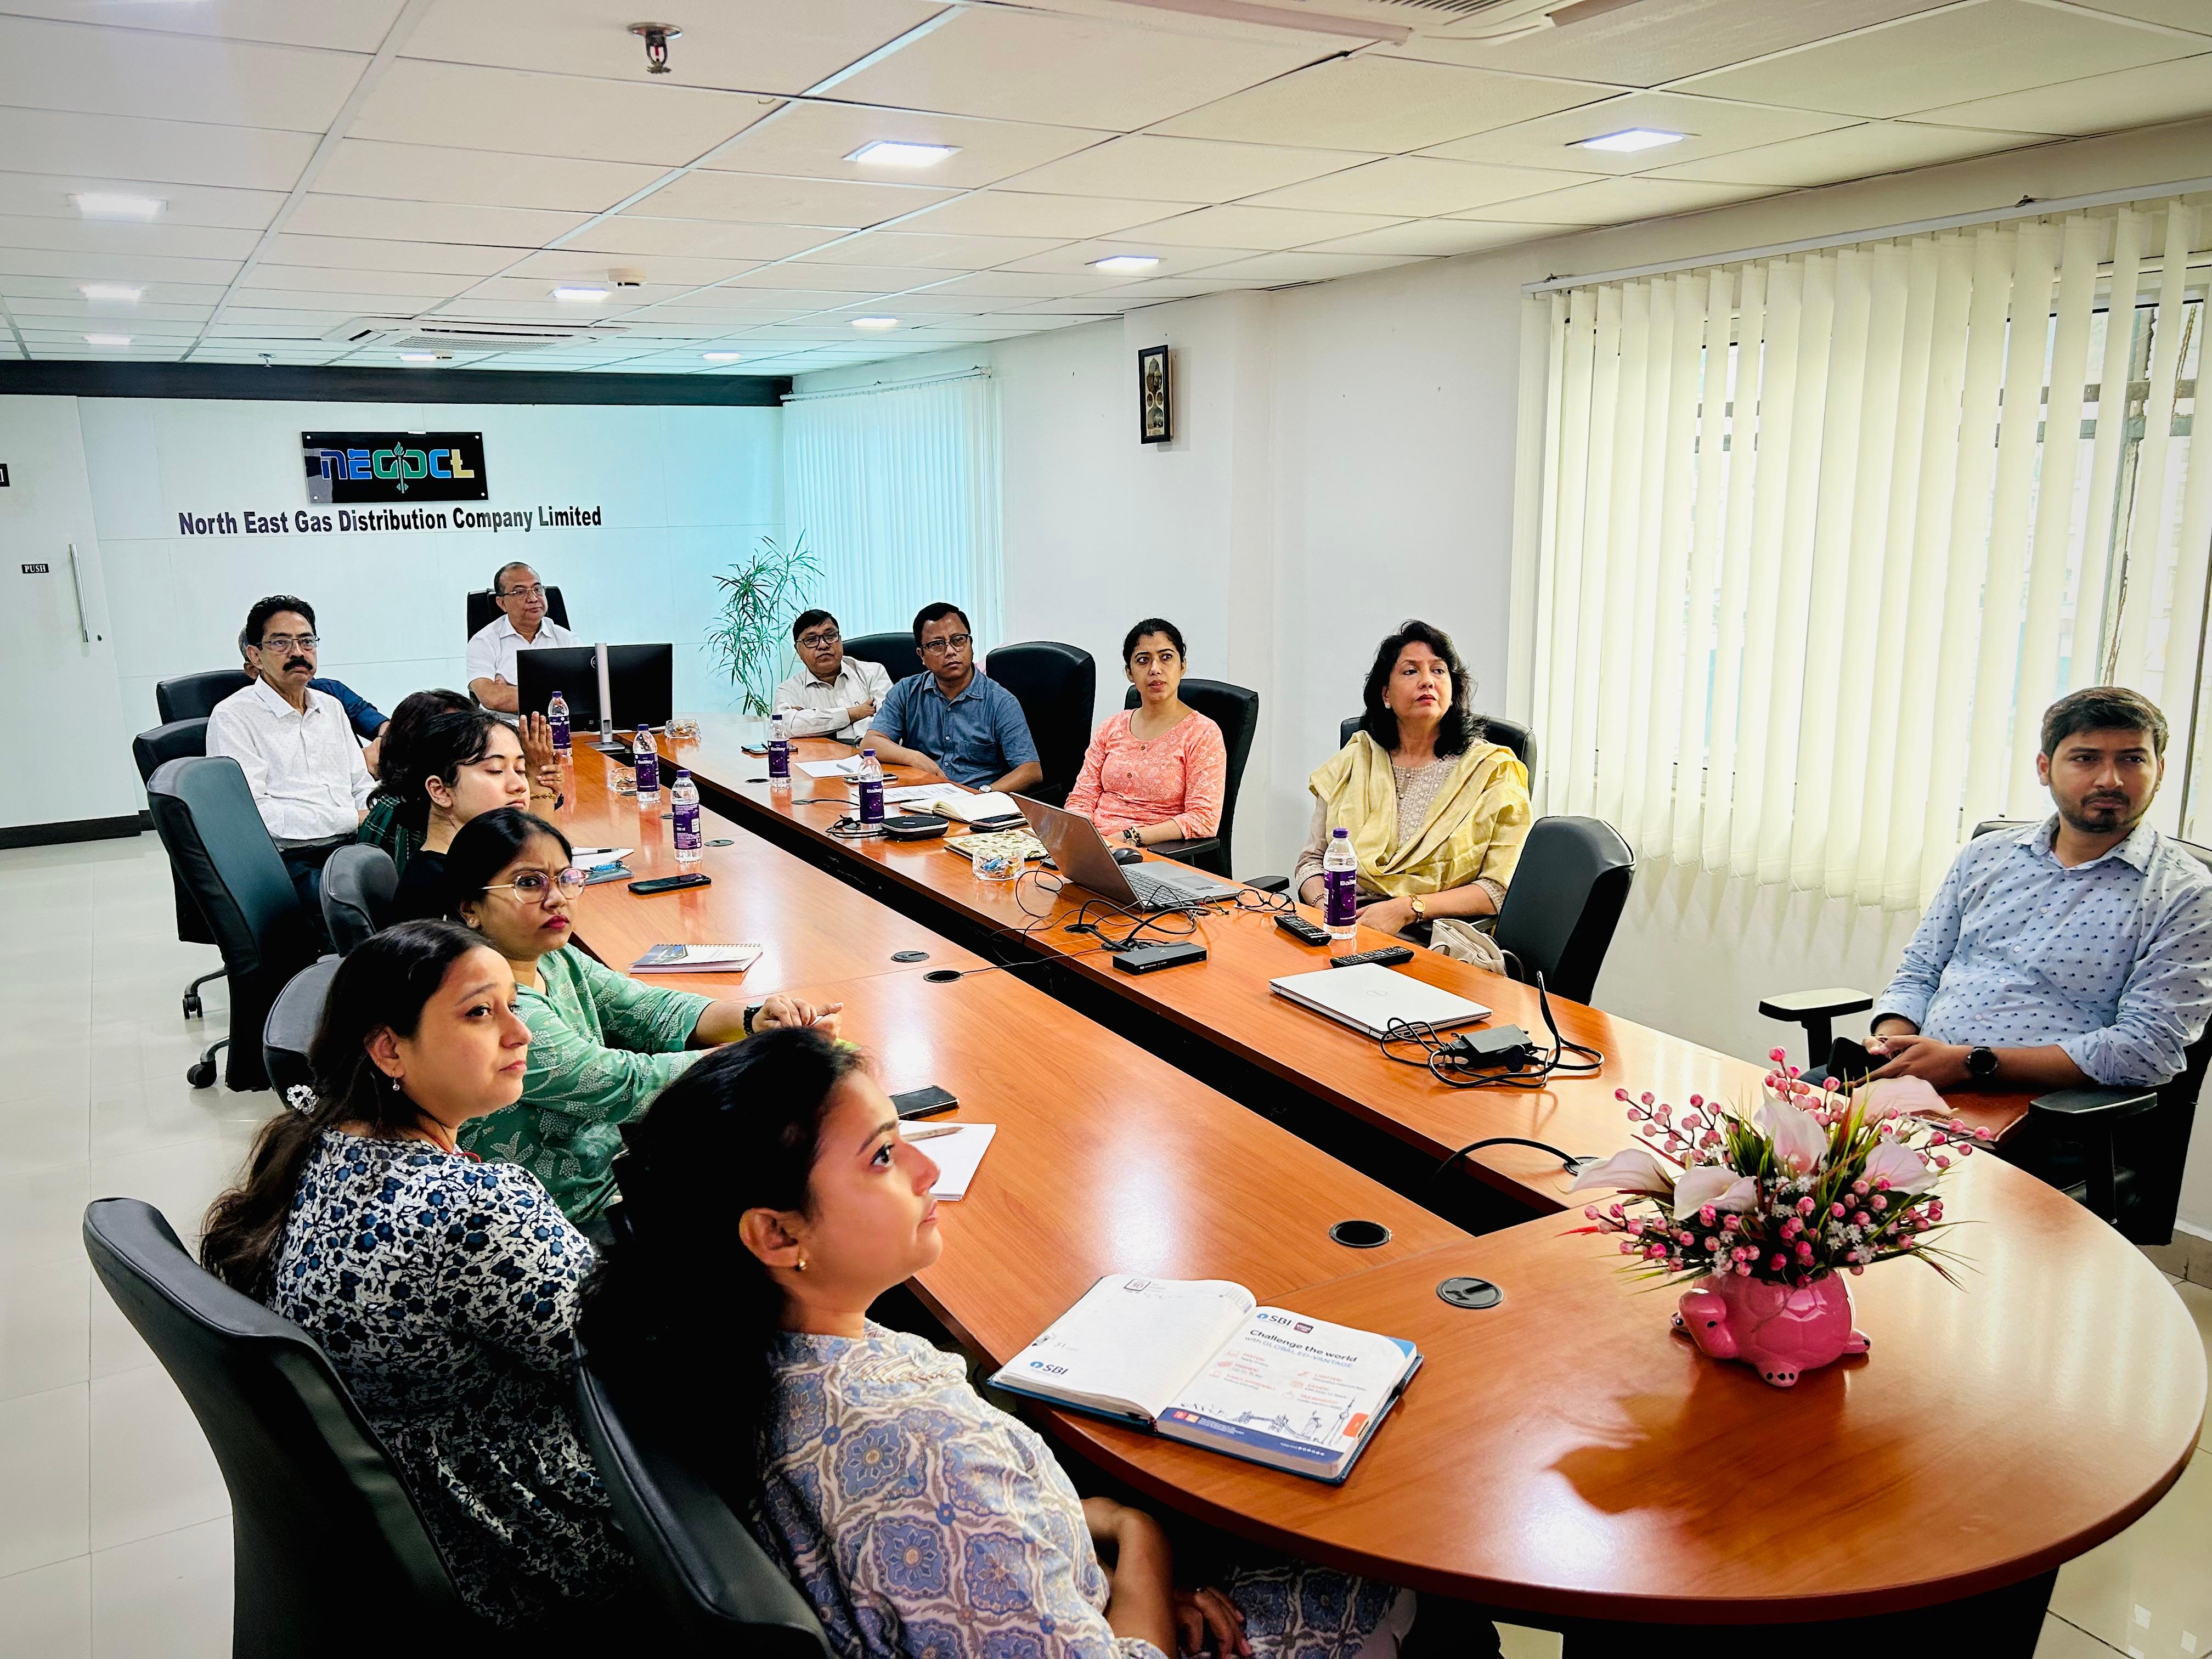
(192, 1005)
(200, 1075)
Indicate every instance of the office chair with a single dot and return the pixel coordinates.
(1055, 685)
(358, 884)
(1564, 903)
(174, 741)
(293, 1018)
(482, 608)
(1237, 711)
(1496, 728)
(718, 1589)
(215, 836)
(895, 652)
(193, 696)
(319, 1510)
(2118, 1151)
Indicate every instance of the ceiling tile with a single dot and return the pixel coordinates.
(427, 172)
(538, 291)
(1970, 51)
(756, 199)
(1028, 285)
(46, 196)
(241, 321)
(1380, 104)
(1077, 258)
(813, 141)
(1253, 228)
(1028, 66)
(2102, 103)
(363, 253)
(1715, 126)
(1183, 169)
(747, 300)
(757, 46)
(429, 221)
(313, 279)
(110, 236)
(698, 238)
(940, 299)
(1440, 237)
(1305, 267)
(1416, 184)
(838, 279)
(107, 313)
(345, 24)
(1616, 201)
(1857, 152)
(115, 267)
(65, 66)
(13, 288)
(666, 270)
(348, 304)
(1012, 213)
(2177, 14)
(901, 247)
(160, 152)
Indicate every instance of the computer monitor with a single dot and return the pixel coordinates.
(642, 684)
(571, 670)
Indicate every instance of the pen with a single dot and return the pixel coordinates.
(932, 1134)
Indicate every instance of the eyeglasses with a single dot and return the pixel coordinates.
(821, 641)
(533, 884)
(290, 642)
(938, 647)
(535, 590)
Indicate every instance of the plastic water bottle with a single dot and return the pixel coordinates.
(557, 716)
(648, 763)
(872, 790)
(779, 753)
(1340, 880)
(684, 794)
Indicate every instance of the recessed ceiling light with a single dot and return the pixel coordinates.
(878, 323)
(723, 356)
(101, 204)
(582, 296)
(107, 339)
(1628, 143)
(891, 152)
(1125, 264)
(122, 291)
(418, 357)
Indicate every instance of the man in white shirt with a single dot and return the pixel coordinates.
(294, 745)
(832, 695)
(521, 625)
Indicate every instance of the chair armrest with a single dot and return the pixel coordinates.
(1187, 851)
(1266, 884)
(2080, 1106)
(1800, 1005)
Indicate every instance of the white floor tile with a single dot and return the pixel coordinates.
(44, 1326)
(2060, 1640)
(161, 1110)
(179, 1181)
(166, 1597)
(151, 1470)
(115, 1342)
(44, 1131)
(2145, 1588)
(46, 1613)
(42, 1215)
(43, 1457)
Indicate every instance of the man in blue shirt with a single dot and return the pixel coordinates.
(2075, 952)
(954, 723)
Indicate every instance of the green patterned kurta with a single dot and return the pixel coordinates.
(385, 828)
(601, 1047)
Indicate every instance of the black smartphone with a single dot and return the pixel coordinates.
(672, 884)
(1848, 1062)
(924, 1102)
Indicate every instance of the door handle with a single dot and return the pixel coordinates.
(76, 581)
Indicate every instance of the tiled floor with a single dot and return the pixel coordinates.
(115, 1529)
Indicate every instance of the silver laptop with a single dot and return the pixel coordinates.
(1084, 858)
(1368, 997)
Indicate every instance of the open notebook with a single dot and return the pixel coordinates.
(1197, 1359)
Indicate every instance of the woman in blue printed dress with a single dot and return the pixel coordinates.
(770, 1184)
(443, 1289)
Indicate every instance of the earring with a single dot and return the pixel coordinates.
(395, 1085)
(802, 1264)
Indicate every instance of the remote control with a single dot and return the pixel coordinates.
(1389, 956)
(1301, 930)
(670, 884)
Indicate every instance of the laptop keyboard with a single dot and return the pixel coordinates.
(1160, 895)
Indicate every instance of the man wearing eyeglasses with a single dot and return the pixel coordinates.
(954, 723)
(832, 695)
(521, 625)
(293, 743)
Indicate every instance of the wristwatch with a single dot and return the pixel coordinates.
(1981, 1064)
(752, 1012)
(1420, 907)
(1131, 836)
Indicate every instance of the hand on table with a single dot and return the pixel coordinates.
(1386, 916)
(1206, 1612)
(536, 734)
(1941, 1063)
(781, 1010)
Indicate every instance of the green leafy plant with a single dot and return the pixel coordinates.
(751, 638)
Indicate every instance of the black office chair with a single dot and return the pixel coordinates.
(293, 1018)
(193, 696)
(2119, 1152)
(895, 652)
(317, 1508)
(215, 836)
(1055, 685)
(175, 741)
(1564, 903)
(482, 608)
(1237, 711)
(358, 883)
(1496, 728)
(719, 1590)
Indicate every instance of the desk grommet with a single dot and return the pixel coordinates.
(909, 956)
(941, 976)
(1360, 1235)
(1462, 1290)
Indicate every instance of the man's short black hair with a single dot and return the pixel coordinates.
(499, 576)
(807, 619)
(258, 618)
(936, 610)
(2102, 708)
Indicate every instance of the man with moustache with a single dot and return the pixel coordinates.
(832, 695)
(2076, 952)
(293, 743)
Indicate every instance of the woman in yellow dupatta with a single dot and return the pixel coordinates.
(1436, 815)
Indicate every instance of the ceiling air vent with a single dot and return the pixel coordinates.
(458, 334)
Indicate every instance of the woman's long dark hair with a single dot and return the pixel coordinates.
(397, 778)
(678, 1312)
(382, 986)
(486, 845)
(1461, 727)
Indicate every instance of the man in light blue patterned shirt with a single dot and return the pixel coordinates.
(2076, 952)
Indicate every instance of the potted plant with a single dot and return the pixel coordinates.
(751, 636)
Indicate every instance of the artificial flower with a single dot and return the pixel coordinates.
(1905, 1170)
(1713, 1186)
(1629, 1171)
(1799, 1143)
(1905, 1096)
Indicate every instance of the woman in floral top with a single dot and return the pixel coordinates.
(602, 1044)
(771, 1184)
(1155, 772)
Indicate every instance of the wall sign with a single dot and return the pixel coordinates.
(354, 467)
(4, 475)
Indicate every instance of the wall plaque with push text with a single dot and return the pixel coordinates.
(344, 467)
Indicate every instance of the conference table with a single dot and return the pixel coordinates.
(1562, 1457)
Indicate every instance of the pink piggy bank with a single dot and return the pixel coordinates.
(1778, 1331)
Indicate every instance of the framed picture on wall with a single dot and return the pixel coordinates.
(1154, 403)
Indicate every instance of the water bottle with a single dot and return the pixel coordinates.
(872, 790)
(557, 716)
(648, 763)
(684, 794)
(1339, 880)
(779, 753)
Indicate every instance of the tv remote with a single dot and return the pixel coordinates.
(670, 884)
(1302, 929)
(1389, 956)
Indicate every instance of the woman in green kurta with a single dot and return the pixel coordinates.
(602, 1045)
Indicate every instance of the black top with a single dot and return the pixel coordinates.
(420, 895)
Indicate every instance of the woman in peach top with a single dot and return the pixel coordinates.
(1155, 772)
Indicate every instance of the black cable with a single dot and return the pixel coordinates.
(1448, 1061)
(1568, 1161)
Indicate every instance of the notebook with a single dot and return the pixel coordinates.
(1369, 997)
(980, 807)
(1198, 1360)
(957, 1156)
(849, 766)
(697, 959)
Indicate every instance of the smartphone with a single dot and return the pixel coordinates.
(670, 884)
(924, 1103)
(1850, 1062)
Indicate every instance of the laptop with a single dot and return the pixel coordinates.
(1367, 998)
(1083, 857)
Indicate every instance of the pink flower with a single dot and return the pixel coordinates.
(1778, 1264)
(1905, 1096)
(1697, 1100)
(1777, 1055)
(1806, 1207)
(1878, 1203)
(1620, 1094)
(1804, 1251)
(1712, 1246)
(1941, 1161)
(1742, 1270)
(1632, 1170)
(1835, 1211)
(1656, 1251)
(1799, 1142)
(1899, 1169)
(1627, 1247)
(1713, 1186)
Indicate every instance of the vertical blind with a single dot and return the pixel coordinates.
(1821, 535)
(897, 491)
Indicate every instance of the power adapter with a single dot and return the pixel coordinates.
(1495, 1046)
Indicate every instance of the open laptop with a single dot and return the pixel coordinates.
(1083, 857)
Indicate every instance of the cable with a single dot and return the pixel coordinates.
(1568, 1161)
(1452, 1064)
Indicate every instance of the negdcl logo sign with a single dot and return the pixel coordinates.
(395, 467)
